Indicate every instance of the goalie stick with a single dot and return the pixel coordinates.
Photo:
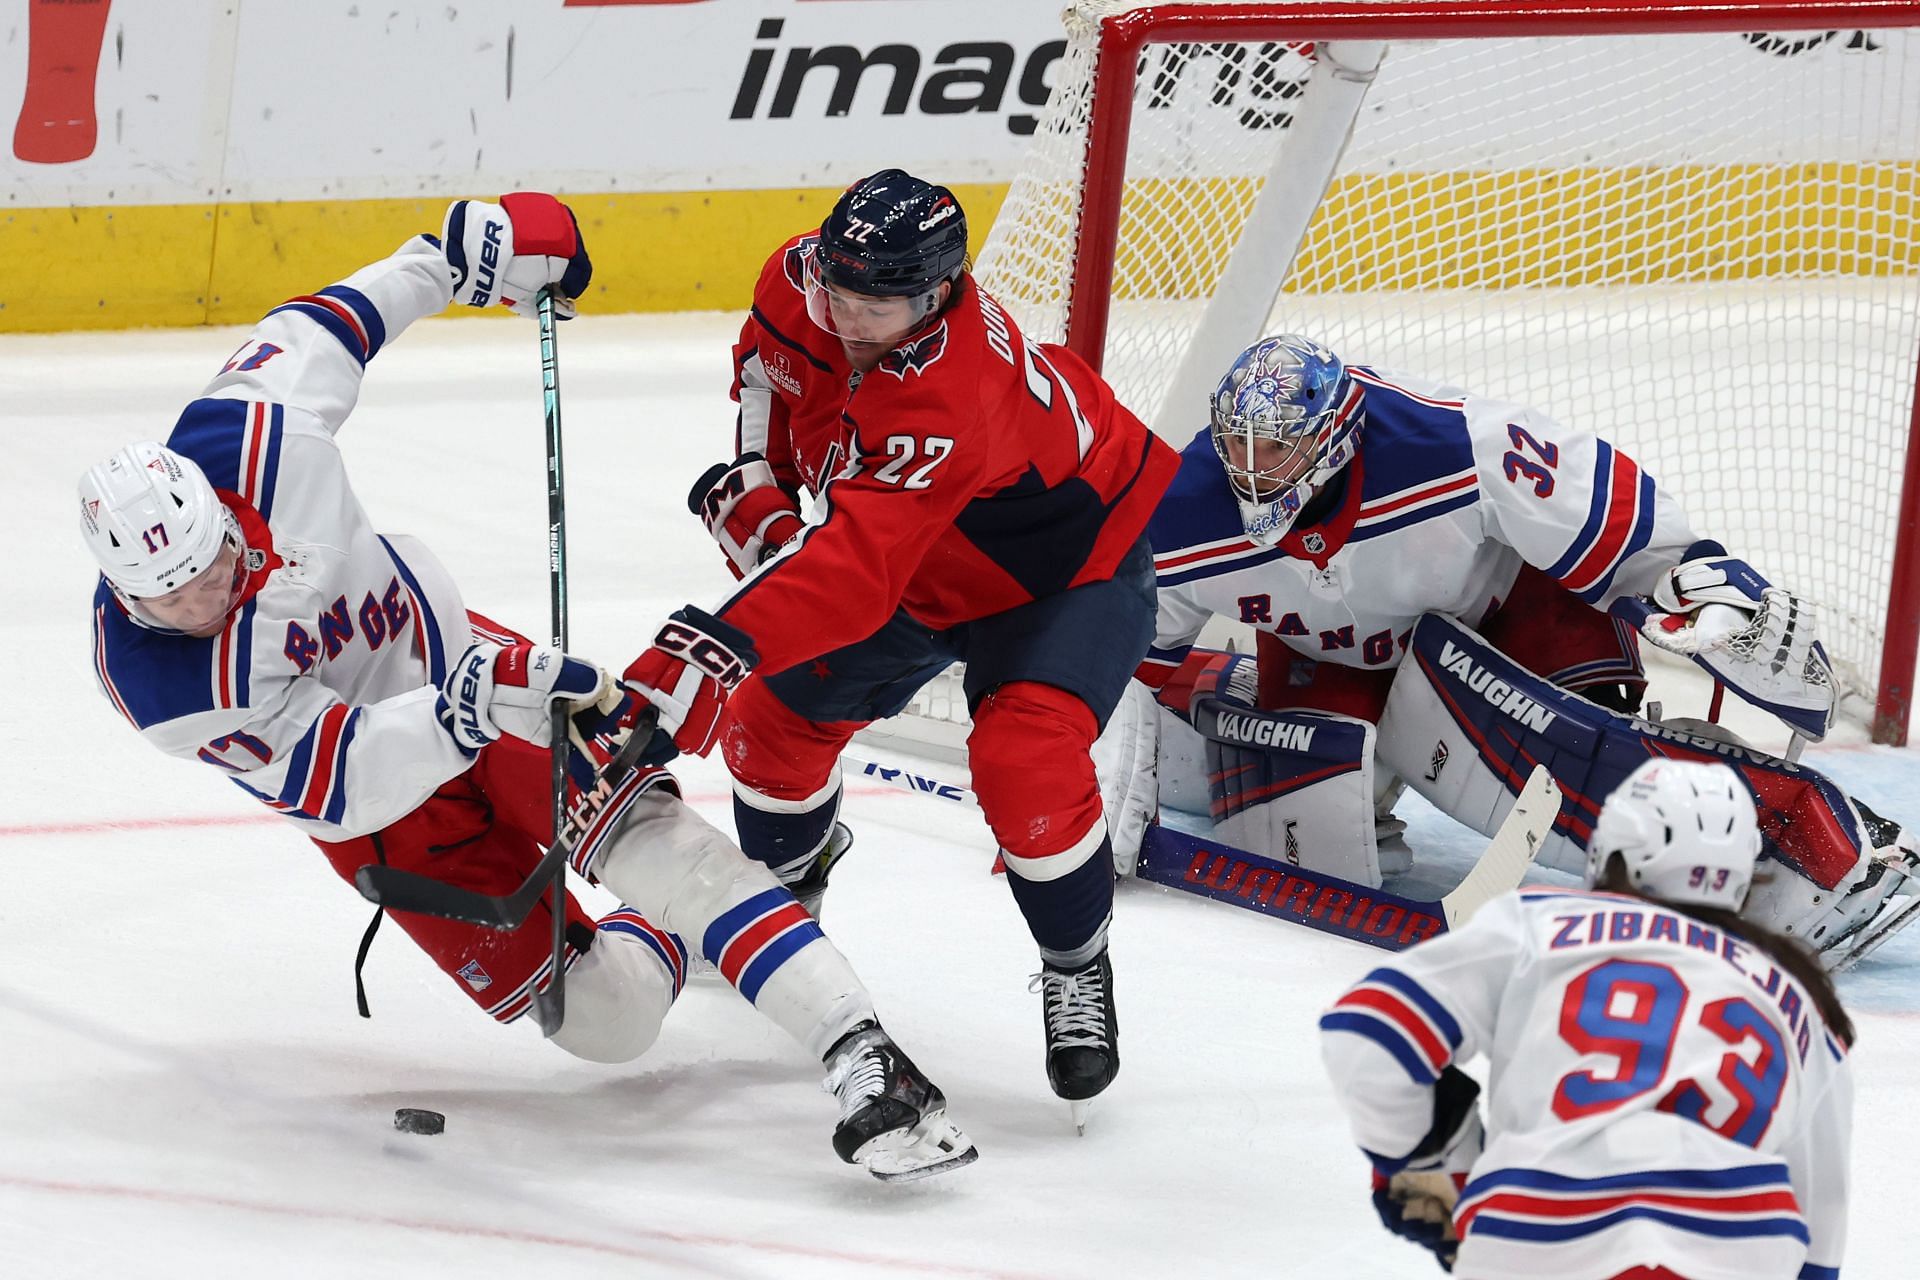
(398, 890)
(1341, 907)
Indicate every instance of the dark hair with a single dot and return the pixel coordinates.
(1789, 953)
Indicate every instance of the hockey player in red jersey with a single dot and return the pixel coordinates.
(249, 616)
(977, 498)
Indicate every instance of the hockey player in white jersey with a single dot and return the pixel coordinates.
(1402, 548)
(249, 616)
(1670, 1097)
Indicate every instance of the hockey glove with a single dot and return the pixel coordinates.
(693, 667)
(745, 510)
(600, 730)
(493, 689)
(1416, 1199)
(504, 254)
(1758, 639)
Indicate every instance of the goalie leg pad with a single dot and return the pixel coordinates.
(1296, 785)
(1126, 762)
(1465, 725)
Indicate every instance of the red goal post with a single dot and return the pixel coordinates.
(1694, 228)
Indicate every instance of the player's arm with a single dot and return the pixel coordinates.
(1572, 505)
(839, 581)
(346, 769)
(1388, 1039)
(311, 351)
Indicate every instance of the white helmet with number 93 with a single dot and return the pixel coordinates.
(155, 527)
(1685, 831)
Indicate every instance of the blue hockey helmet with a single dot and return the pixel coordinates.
(1285, 420)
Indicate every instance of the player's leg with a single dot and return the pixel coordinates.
(618, 990)
(783, 741)
(1555, 634)
(1041, 682)
(1459, 698)
(662, 857)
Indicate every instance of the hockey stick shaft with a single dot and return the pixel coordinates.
(399, 890)
(550, 1004)
(953, 790)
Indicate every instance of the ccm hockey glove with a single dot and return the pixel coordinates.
(695, 664)
(745, 510)
(503, 254)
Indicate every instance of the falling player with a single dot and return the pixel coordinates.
(977, 498)
(249, 616)
(1430, 573)
(1671, 1097)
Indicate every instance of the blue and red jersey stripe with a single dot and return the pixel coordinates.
(1402, 1017)
(750, 941)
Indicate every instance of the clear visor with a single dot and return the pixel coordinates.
(202, 605)
(864, 319)
(1260, 462)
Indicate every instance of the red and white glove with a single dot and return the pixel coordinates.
(494, 689)
(746, 511)
(503, 254)
(695, 664)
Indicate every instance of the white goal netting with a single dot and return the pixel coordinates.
(1702, 246)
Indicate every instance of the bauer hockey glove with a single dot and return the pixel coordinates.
(494, 689)
(1415, 1196)
(695, 664)
(504, 254)
(746, 511)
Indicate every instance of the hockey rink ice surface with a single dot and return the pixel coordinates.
(186, 1090)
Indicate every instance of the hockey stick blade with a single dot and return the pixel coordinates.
(1323, 901)
(1510, 852)
(398, 890)
(913, 780)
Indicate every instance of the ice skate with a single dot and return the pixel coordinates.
(893, 1120)
(1083, 1031)
(1888, 895)
(812, 887)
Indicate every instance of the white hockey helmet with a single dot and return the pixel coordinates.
(1685, 830)
(153, 522)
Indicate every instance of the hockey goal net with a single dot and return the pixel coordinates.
(1692, 228)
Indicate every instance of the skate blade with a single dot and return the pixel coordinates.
(1082, 1108)
(934, 1146)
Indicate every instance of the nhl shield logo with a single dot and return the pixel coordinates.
(474, 976)
(1314, 543)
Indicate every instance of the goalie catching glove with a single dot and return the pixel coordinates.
(504, 254)
(695, 664)
(1758, 639)
(746, 511)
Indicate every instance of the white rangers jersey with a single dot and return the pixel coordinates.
(319, 697)
(1660, 1092)
(1448, 494)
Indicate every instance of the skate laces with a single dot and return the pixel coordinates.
(1076, 1005)
(859, 1075)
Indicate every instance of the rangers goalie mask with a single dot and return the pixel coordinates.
(1285, 420)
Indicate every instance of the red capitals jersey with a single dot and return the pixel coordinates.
(971, 472)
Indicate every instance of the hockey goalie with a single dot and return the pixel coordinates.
(1448, 590)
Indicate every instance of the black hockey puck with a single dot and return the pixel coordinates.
(415, 1120)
